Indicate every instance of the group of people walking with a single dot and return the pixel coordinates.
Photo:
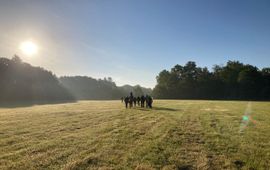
(141, 101)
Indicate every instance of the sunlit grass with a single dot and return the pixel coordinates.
(175, 134)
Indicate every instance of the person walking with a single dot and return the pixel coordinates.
(142, 100)
(126, 101)
(138, 100)
(131, 98)
(150, 102)
(134, 101)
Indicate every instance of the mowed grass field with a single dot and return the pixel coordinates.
(175, 134)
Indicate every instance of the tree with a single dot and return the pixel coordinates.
(138, 90)
(21, 82)
(235, 80)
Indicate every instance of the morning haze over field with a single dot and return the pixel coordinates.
(132, 41)
(133, 84)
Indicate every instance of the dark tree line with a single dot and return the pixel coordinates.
(235, 80)
(87, 88)
(21, 82)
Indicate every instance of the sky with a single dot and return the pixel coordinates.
(133, 40)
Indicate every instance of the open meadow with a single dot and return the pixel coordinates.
(175, 134)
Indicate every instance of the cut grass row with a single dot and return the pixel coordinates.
(175, 134)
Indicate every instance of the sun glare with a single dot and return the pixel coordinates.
(29, 48)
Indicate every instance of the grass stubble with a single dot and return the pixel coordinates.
(175, 134)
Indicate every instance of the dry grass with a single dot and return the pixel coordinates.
(175, 134)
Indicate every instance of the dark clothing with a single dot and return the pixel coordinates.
(131, 98)
(150, 101)
(139, 101)
(142, 101)
(134, 101)
(126, 101)
(146, 101)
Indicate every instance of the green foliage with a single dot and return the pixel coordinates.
(87, 88)
(21, 82)
(233, 81)
(138, 91)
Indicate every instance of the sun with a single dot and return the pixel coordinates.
(29, 48)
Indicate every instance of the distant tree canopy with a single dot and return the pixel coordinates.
(21, 82)
(235, 81)
(85, 88)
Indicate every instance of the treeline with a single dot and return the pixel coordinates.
(234, 81)
(87, 88)
(21, 82)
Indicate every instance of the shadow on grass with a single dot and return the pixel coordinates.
(32, 103)
(142, 109)
(164, 108)
(155, 108)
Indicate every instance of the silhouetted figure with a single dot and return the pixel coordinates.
(138, 100)
(131, 100)
(142, 101)
(146, 101)
(122, 99)
(126, 101)
(150, 101)
(134, 101)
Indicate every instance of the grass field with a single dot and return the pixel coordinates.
(175, 134)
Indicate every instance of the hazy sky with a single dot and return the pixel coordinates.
(133, 40)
